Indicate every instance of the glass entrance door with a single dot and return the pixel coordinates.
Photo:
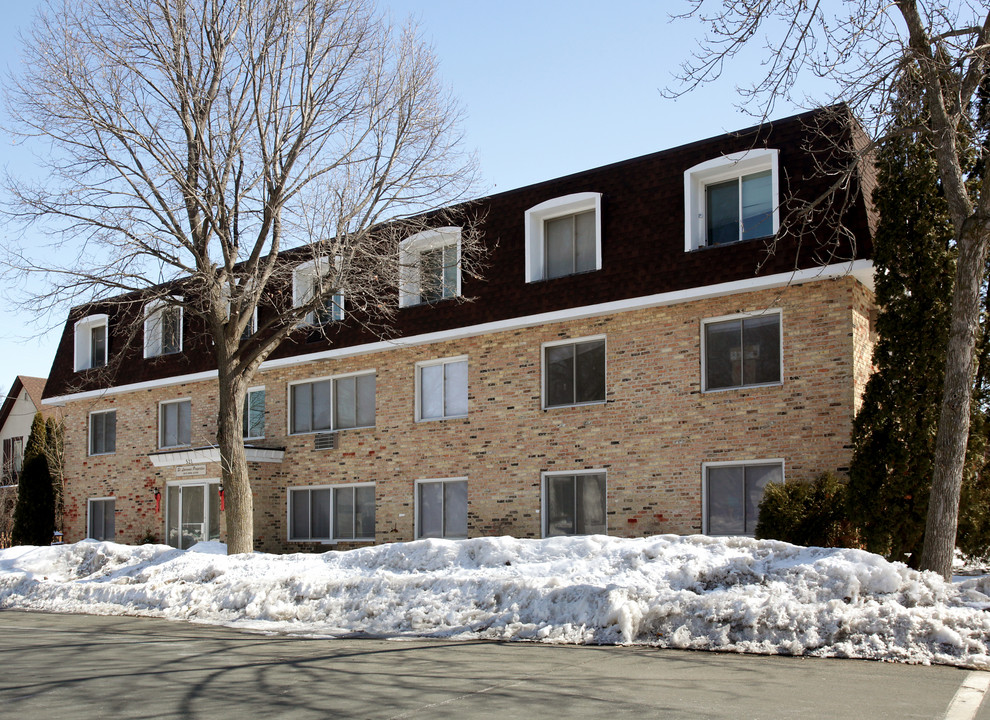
(192, 514)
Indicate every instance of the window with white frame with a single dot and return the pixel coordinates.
(13, 458)
(574, 503)
(442, 508)
(100, 525)
(731, 198)
(741, 351)
(163, 330)
(91, 342)
(309, 280)
(564, 236)
(254, 414)
(103, 432)
(430, 266)
(732, 494)
(574, 372)
(442, 389)
(174, 423)
(325, 514)
(337, 403)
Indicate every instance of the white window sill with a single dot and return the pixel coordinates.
(706, 391)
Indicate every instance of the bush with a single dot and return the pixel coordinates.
(34, 514)
(806, 513)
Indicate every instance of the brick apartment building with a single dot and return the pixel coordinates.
(634, 362)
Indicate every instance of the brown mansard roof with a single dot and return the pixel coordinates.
(642, 245)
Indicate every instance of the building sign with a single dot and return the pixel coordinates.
(186, 471)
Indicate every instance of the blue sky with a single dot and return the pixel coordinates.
(549, 87)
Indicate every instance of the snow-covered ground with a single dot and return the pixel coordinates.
(733, 594)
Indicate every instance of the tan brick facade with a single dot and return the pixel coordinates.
(650, 437)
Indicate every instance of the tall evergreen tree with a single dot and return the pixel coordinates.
(894, 432)
(34, 514)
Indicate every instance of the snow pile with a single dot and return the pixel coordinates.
(733, 594)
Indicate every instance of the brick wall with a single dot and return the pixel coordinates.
(650, 437)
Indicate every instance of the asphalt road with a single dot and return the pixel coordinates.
(79, 667)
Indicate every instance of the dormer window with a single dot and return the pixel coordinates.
(730, 199)
(563, 237)
(308, 281)
(91, 342)
(163, 330)
(430, 266)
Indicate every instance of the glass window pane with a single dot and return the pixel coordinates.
(431, 391)
(320, 513)
(590, 372)
(584, 244)
(431, 510)
(302, 408)
(560, 505)
(345, 403)
(431, 275)
(757, 205)
(343, 513)
(723, 357)
(109, 519)
(455, 509)
(98, 346)
(170, 425)
(170, 329)
(213, 514)
(321, 405)
(449, 271)
(96, 519)
(172, 523)
(722, 200)
(299, 511)
(726, 514)
(366, 400)
(254, 414)
(559, 246)
(185, 422)
(364, 512)
(590, 505)
(560, 374)
(456, 388)
(761, 349)
(110, 432)
(96, 434)
(757, 477)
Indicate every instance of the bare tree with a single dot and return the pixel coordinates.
(200, 150)
(868, 49)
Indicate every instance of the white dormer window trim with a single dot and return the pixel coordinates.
(303, 281)
(536, 218)
(153, 340)
(718, 170)
(85, 349)
(410, 263)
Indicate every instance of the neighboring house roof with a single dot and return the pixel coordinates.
(643, 250)
(35, 388)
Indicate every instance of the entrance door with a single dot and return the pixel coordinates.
(192, 514)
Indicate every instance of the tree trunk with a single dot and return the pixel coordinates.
(239, 502)
(953, 424)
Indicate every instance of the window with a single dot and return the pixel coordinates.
(574, 504)
(254, 414)
(563, 236)
(163, 330)
(308, 282)
(13, 457)
(429, 266)
(332, 404)
(742, 351)
(91, 342)
(101, 520)
(442, 389)
(731, 198)
(732, 494)
(332, 513)
(174, 423)
(103, 432)
(574, 373)
(441, 508)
